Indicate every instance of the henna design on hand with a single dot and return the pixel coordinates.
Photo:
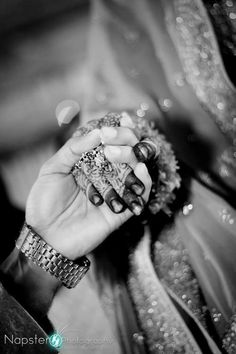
(87, 187)
(152, 149)
(114, 182)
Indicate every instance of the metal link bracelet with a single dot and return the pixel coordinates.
(46, 257)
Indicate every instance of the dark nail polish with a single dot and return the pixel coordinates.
(116, 206)
(96, 199)
(136, 208)
(141, 152)
(137, 189)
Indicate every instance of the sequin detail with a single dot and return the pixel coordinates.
(142, 110)
(197, 47)
(152, 286)
(179, 79)
(223, 15)
(138, 338)
(166, 104)
(163, 327)
(226, 217)
(229, 341)
(171, 262)
(187, 208)
(219, 322)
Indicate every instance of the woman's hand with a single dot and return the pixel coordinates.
(57, 207)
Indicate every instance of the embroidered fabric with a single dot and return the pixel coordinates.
(223, 14)
(198, 50)
(165, 330)
(171, 263)
(153, 285)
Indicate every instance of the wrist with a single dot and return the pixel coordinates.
(57, 236)
(34, 247)
(29, 284)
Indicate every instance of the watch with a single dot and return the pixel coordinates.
(46, 257)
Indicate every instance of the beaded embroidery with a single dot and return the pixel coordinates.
(171, 262)
(223, 14)
(229, 341)
(163, 327)
(197, 47)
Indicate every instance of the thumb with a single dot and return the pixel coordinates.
(70, 153)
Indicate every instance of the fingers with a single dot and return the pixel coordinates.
(146, 150)
(108, 193)
(134, 184)
(124, 178)
(142, 174)
(134, 203)
(93, 195)
(111, 176)
(125, 154)
(126, 121)
(128, 186)
(116, 183)
(114, 202)
(70, 153)
(87, 187)
(118, 136)
(95, 168)
(121, 154)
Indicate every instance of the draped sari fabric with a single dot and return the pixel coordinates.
(161, 60)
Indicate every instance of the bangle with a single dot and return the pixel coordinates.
(46, 257)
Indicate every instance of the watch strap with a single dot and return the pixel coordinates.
(46, 257)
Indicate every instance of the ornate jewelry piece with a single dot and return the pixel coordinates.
(100, 172)
(164, 167)
(95, 157)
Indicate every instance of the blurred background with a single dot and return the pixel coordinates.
(42, 63)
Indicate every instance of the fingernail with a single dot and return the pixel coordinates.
(137, 189)
(96, 199)
(116, 206)
(66, 111)
(141, 152)
(136, 208)
(108, 133)
(94, 132)
(126, 121)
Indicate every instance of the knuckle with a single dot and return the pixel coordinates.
(46, 167)
(129, 151)
(71, 152)
(131, 134)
